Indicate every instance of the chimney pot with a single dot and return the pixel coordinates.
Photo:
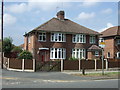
(60, 15)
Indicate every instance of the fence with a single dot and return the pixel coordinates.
(21, 64)
(88, 64)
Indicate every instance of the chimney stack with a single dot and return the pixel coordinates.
(60, 15)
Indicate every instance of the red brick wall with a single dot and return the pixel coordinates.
(109, 47)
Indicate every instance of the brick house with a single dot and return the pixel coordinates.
(60, 38)
(111, 39)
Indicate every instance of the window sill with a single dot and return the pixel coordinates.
(58, 41)
(80, 42)
(41, 41)
(57, 58)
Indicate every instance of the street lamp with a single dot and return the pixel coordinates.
(102, 61)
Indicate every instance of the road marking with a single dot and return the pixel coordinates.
(7, 78)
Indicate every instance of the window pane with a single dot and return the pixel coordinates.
(55, 53)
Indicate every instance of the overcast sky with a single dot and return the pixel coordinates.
(21, 17)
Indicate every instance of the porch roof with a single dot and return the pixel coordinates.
(94, 48)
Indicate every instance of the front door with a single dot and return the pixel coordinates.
(43, 55)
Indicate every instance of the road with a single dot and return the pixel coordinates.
(12, 79)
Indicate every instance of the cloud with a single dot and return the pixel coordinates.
(107, 26)
(17, 8)
(88, 3)
(107, 11)
(32, 5)
(9, 19)
(85, 16)
(42, 5)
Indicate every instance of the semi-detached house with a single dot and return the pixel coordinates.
(60, 38)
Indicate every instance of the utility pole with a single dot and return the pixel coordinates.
(2, 35)
(102, 61)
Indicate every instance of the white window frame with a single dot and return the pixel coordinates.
(96, 53)
(43, 35)
(79, 53)
(118, 54)
(58, 37)
(61, 53)
(79, 38)
(92, 39)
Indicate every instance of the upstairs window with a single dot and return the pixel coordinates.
(58, 37)
(42, 37)
(92, 39)
(79, 38)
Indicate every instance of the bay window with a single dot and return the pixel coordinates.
(79, 38)
(58, 37)
(78, 53)
(57, 53)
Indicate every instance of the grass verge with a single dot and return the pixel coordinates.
(106, 75)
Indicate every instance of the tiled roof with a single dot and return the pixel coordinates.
(113, 31)
(66, 25)
(94, 47)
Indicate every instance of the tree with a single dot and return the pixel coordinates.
(25, 55)
(7, 45)
(17, 49)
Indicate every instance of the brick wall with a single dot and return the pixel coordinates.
(109, 47)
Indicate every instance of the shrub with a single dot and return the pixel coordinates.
(73, 58)
(25, 55)
(17, 49)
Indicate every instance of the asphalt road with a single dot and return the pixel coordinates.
(12, 79)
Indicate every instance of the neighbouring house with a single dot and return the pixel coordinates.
(61, 38)
(111, 41)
